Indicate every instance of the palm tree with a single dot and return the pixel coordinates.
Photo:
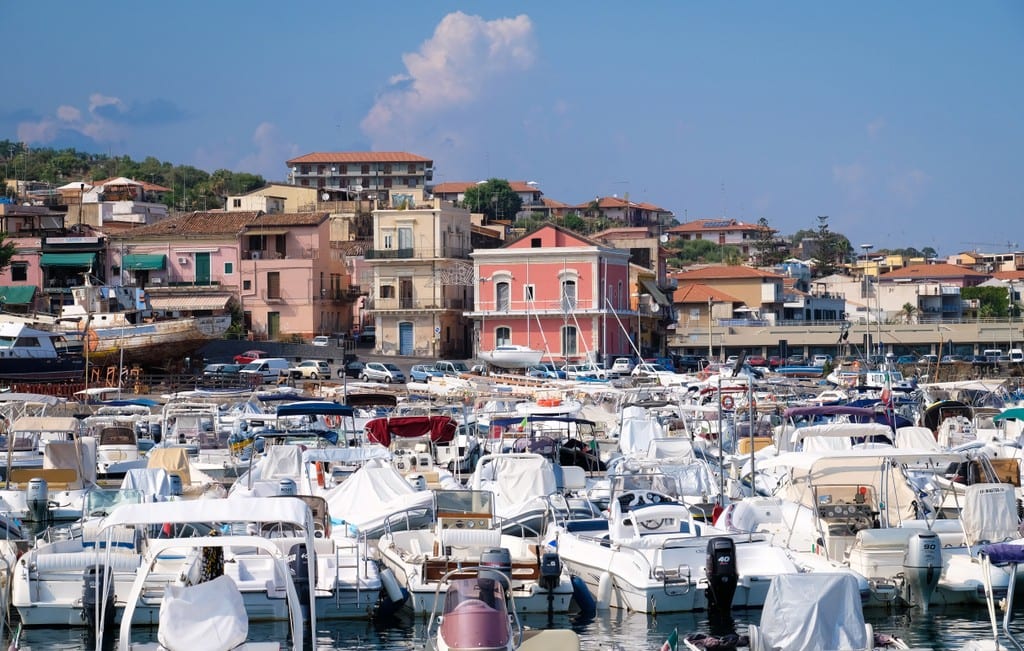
(909, 313)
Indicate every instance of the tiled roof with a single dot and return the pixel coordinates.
(640, 231)
(939, 270)
(148, 187)
(551, 203)
(713, 225)
(723, 272)
(359, 157)
(455, 187)
(292, 219)
(197, 223)
(1008, 275)
(605, 203)
(699, 293)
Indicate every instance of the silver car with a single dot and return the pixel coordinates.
(382, 372)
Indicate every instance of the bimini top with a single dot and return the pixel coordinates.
(440, 428)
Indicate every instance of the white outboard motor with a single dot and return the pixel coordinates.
(37, 498)
(922, 566)
(286, 487)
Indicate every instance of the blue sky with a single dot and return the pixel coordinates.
(901, 121)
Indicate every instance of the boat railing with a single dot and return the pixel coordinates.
(405, 516)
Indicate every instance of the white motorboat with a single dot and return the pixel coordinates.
(57, 490)
(31, 355)
(466, 534)
(512, 356)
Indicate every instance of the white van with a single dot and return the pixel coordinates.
(1016, 356)
(269, 369)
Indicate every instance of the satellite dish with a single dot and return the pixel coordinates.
(358, 188)
(655, 307)
(324, 196)
(664, 238)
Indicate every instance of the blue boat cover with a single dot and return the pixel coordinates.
(1004, 553)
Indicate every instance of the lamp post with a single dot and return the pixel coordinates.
(711, 340)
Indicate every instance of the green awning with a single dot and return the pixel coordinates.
(143, 261)
(68, 259)
(17, 294)
(652, 289)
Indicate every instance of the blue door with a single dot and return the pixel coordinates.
(405, 338)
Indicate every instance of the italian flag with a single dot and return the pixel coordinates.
(672, 642)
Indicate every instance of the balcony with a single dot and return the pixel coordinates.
(425, 253)
(408, 304)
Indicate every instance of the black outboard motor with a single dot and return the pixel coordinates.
(550, 571)
(499, 560)
(98, 601)
(299, 567)
(722, 574)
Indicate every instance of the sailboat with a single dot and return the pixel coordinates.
(512, 356)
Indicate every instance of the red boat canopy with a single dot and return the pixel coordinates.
(440, 428)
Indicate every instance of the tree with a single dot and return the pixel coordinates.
(495, 198)
(767, 245)
(908, 313)
(691, 251)
(993, 302)
(7, 251)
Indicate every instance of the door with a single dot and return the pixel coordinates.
(202, 268)
(273, 324)
(405, 294)
(405, 340)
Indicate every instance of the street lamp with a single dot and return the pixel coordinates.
(710, 332)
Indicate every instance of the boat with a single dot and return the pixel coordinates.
(32, 355)
(512, 356)
(117, 325)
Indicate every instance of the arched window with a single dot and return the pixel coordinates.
(569, 341)
(502, 296)
(568, 295)
(502, 336)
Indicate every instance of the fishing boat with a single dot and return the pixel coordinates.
(512, 356)
(28, 354)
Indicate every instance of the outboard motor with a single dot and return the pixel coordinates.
(722, 574)
(98, 601)
(922, 566)
(286, 487)
(174, 480)
(37, 497)
(299, 567)
(550, 571)
(498, 560)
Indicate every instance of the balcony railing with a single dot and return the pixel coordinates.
(424, 253)
(289, 254)
(391, 304)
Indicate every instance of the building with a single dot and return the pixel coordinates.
(761, 292)
(724, 232)
(528, 191)
(556, 291)
(624, 211)
(392, 178)
(113, 204)
(421, 280)
(699, 306)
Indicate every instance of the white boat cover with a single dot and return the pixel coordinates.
(989, 513)
(151, 482)
(920, 438)
(371, 494)
(209, 616)
(280, 462)
(638, 430)
(289, 510)
(813, 611)
(515, 480)
(80, 456)
(675, 449)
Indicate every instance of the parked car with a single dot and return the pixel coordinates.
(422, 372)
(584, 371)
(451, 369)
(924, 360)
(311, 369)
(266, 369)
(249, 356)
(352, 368)
(690, 363)
(664, 377)
(906, 359)
(382, 372)
(546, 371)
(796, 360)
(757, 360)
(821, 360)
(1016, 355)
(622, 366)
(775, 361)
(221, 371)
(321, 340)
(949, 359)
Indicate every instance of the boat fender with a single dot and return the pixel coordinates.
(320, 481)
(581, 594)
(922, 566)
(604, 592)
(721, 573)
(390, 583)
(37, 497)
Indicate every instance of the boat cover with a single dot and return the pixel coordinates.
(814, 611)
(1002, 553)
(173, 460)
(989, 513)
(151, 482)
(637, 431)
(440, 428)
(515, 481)
(371, 494)
(209, 616)
(917, 438)
(80, 456)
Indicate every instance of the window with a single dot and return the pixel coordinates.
(366, 182)
(320, 183)
(502, 296)
(528, 293)
(387, 291)
(389, 240)
(387, 182)
(305, 182)
(502, 336)
(405, 237)
(247, 285)
(365, 169)
(569, 340)
(343, 168)
(387, 168)
(273, 284)
(236, 203)
(229, 268)
(412, 168)
(304, 169)
(19, 271)
(410, 182)
(568, 295)
(535, 242)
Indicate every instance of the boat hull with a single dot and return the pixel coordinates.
(512, 357)
(160, 343)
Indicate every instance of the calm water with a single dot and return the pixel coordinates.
(942, 628)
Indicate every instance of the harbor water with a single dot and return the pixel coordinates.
(940, 628)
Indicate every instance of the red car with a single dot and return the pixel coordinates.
(249, 355)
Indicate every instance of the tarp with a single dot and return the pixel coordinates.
(173, 460)
(652, 288)
(215, 613)
(151, 482)
(1016, 413)
(314, 408)
(989, 513)
(515, 479)
(17, 294)
(67, 260)
(372, 493)
(79, 456)
(813, 611)
(143, 261)
(440, 428)
(637, 431)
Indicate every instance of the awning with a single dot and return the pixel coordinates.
(143, 261)
(267, 231)
(657, 294)
(187, 302)
(17, 294)
(67, 259)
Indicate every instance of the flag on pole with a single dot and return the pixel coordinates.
(672, 642)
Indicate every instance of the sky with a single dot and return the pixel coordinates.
(902, 122)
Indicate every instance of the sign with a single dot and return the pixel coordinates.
(437, 330)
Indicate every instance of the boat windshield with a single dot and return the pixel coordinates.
(475, 614)
(7, 342)
(102, 501)
(117, 436)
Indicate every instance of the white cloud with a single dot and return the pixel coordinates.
(875, 127)
(850, 177)
(67, 118)
(464, 61)
(41, 131)
(909, 185)
(271, 151)
(68, 114)
(98, 100)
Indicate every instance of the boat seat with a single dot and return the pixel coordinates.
(80, 561)
(470, 537)
(884, 538)
(56, 478)
(242, 574)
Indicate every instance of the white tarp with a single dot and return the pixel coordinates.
(989, 513)
(637, 431)
(675, 449)
(279, 462)
(209, 616)
(151, 482)
(813, 611)
(79, 456)
(372, 493)
(920, 438)
(515, 479)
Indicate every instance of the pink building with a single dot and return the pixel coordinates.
(556, 291)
